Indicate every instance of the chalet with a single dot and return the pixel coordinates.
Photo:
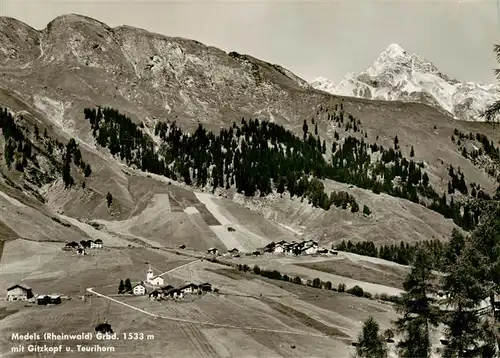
(333, 252)
(310, 250)
(42, 299)
(234, 251)
(269, 247)
(205, 287)
(71, 246)
(292, 249)
(139, 289)
(156, 294)
(19, 293)
(85, 244)
(54, 299)
(166, 288)
(279, 249)
(81, 252)
(322, 251)
(97, 244)
(182, 246)
(213, 251)
(174, 293)
(189, 288)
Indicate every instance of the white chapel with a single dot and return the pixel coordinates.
(151, 279)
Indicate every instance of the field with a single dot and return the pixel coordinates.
(362, 269)
(249, 317)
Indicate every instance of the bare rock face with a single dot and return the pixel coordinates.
(19, 43)
(77, 61)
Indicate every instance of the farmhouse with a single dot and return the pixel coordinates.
(309, 250)
(139, 289)
(97, 244)
(174, 293)
(279, 249)
(54, 299)
(42, 299)
(213, 251)
(19, 293)
(71, 246)
(156, 294)
(205, 287)
(189, 288)
(85, 244)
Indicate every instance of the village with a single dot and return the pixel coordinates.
(155, 288)
(293, 248)
(154, 285)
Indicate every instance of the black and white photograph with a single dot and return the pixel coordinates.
(250, 179)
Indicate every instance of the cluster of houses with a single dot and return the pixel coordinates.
(309, 247)
(24, 293)
(83, 245)
(170, 292)
(155, 288)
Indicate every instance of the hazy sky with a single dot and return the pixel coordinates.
(321, 38)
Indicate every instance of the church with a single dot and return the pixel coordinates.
(152, 279)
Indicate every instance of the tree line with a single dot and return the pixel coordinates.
(402, 253)
(259, 157)
(255, 157)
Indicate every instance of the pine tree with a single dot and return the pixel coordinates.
(463, 329)
(87, 171)
(412, 152)
(486, 239)
(121, 288)
(128, 286)
(491, 113)
(417, 308)
(371, 343)
(109, 199)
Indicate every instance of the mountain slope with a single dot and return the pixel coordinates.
(397, 75)
(77, 63)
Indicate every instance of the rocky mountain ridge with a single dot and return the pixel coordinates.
(398, 75)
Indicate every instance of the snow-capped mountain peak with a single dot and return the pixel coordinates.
(399, 75)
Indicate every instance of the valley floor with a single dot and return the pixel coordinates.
(249, 316)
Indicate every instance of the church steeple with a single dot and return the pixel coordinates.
(149, 274)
